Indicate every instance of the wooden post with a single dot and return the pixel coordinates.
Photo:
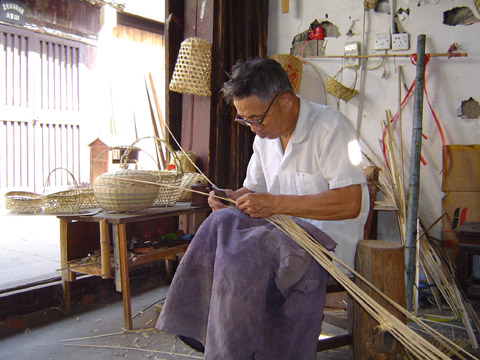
(381, 263)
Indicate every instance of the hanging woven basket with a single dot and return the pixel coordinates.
(293, 67)
(340, 91)
(192, 70)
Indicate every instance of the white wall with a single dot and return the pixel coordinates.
(448, 81)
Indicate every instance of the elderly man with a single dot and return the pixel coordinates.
(244, 290)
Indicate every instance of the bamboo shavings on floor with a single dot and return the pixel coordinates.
(416, 345)
(134, 349)
(433, 266)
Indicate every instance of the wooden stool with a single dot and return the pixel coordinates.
(382, 264)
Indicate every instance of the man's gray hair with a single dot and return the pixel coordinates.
(262, 77)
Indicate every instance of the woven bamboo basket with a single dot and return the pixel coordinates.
(168, 196)
(187, 160)
(193, 68)
(171, 180)
(188, 179)
(340, 91)
(61, 202)
(23, 202)
(293, 67)
(116, 195)
(88, 199)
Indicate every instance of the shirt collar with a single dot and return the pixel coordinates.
(303, 126)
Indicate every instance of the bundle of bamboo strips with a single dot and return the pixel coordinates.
(417, 346)
(395, 178)
(434, 267)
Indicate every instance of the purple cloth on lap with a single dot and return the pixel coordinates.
(246, 290)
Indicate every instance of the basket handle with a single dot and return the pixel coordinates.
(341, 70)
(47, 181)
(123, 159)
(177, 163)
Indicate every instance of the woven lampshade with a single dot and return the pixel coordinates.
(193, 68)
(293, 67)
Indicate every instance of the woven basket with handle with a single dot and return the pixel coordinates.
(340, 91)
(62, 202)
(116, 194)
(170, 180)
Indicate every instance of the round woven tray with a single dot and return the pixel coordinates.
(23, 202)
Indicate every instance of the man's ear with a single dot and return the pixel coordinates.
(286, 101)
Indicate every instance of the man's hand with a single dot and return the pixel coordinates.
(257, 205)
(215, 203)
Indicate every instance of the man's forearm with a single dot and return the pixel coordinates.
(336, 204)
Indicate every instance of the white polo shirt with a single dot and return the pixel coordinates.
(322, 154)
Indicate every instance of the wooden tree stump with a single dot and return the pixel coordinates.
(381, 263)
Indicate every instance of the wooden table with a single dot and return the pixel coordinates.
(82, 234)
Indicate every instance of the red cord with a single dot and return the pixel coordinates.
(413, 58)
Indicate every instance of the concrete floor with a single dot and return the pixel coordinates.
(95, 331)
(30, 248)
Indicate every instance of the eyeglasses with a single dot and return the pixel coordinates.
(246, 122)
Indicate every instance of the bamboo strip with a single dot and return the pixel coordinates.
(416, 345)
(137, 331)
(446, 285)
(174, 187)
(134, 348)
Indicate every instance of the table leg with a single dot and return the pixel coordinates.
(124, 277)
(66, 274)
(105, 250)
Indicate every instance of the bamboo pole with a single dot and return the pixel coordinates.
(157, 106)
(158, 146)
(105, 250)
(384, 56)
(412, 210)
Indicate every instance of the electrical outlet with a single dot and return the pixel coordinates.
(352, 49)
(400, 41)
(382, 42)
